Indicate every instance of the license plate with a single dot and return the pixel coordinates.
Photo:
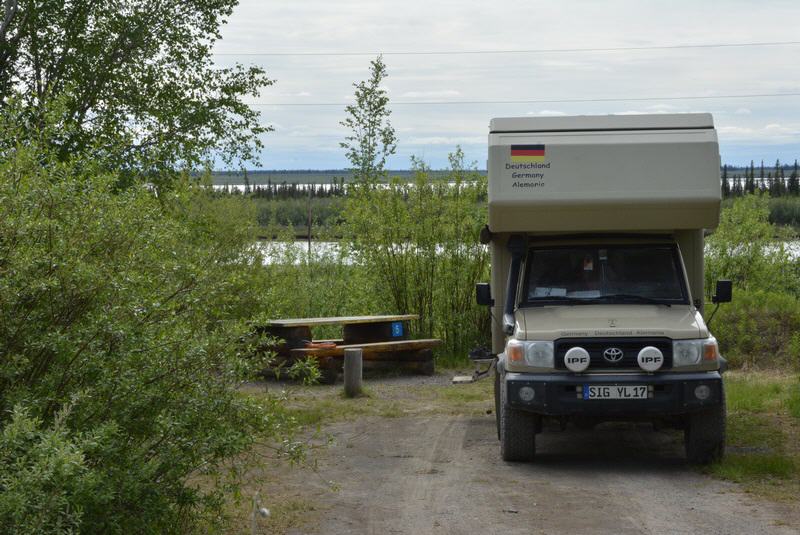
(615, 392)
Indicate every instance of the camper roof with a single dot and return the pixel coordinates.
(603, 173)
(675, 121)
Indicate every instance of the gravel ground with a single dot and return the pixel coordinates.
(426, 474)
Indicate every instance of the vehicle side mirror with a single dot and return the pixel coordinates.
(723, 293)
(483, 292)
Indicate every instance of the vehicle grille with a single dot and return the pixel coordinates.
(630, 348)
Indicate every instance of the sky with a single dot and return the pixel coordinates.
(351, 32)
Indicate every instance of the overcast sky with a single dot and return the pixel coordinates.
(307, 137)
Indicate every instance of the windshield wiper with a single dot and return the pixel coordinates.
(562, 299)
(636, 298)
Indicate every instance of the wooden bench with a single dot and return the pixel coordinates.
(368, 351)
(383, 339)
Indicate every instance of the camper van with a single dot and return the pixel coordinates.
(596, 228)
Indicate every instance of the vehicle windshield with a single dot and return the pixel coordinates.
(647, 274)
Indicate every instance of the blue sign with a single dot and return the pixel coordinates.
(397, 329)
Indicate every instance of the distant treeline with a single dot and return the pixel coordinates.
(282, 185)
(303, 176)
(780, 180)
(287, 190)
(285, 202)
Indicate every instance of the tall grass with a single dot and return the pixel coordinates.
(759, 328)
(326, 213)
(785, 211)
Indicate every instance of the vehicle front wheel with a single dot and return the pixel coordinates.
(704, 435)
(497, 401)
(517, 431)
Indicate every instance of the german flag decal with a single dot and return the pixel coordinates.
(527, 153)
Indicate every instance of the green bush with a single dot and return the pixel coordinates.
(410, 247)
(44, 476)
(785, 211)
(325, 212)
(121, 320)
(759, 329)
(325, 282)
(419, 241)
(746, 248)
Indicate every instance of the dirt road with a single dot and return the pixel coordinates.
(443, 475)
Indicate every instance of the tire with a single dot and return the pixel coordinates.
(497, 401)
(704, 434)
(517, 432)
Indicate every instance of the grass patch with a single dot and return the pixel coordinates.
(755, 392)
(322, 409)
(389, 397)
(286, 515)
(467, 393)
(746, 467)
(793, 401)
(763, 434)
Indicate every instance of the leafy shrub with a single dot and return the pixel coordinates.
(44, 476)
(306, 370)
(324, 281)
(325, 211)
(419, 241)
(785, 211)
(121, 315)
(759, 329)
(746, 249)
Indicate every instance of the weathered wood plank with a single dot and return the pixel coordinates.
(416, 355)
(369, 349)
(343, 320)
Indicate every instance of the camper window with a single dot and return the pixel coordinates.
(605, 274)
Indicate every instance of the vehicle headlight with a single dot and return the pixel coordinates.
(535, 354)
(691, 352)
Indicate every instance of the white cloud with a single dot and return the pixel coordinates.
(663, 107)
(431, 94)
(450, 141)
(372, 26)
(547, 113)
(734, 130)
(644, 112)
(295, 94)
(770, 133)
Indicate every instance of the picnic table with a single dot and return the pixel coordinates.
(383, 340)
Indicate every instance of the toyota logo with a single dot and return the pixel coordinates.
(613, 354)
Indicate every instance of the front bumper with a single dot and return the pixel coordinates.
(561, 394)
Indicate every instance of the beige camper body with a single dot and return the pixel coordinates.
(596, 229)
(623, 174)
